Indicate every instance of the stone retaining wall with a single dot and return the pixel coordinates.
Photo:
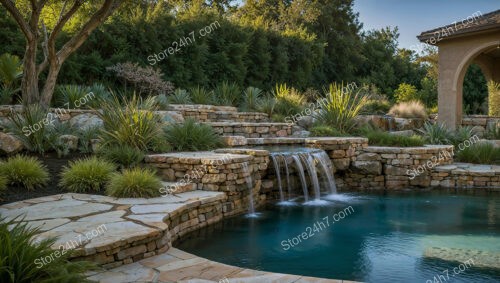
(252, 130)
(463, 175)
(211, 113)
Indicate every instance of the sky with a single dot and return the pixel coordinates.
(415, 16)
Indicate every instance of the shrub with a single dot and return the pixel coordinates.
(252, 96)
(227, 94)
(73, 96)
(481, 153)
(25, 171)
(145, 80)
(405, 92)
(376, 106)
(192, 136)
(325, 131)
(412, 109)
(266, 105)
(462, 134)
(20, 257)
(125, 156)
(180, 96)
(436, 133)
(339, 108)
(493, 99)
(380, 138)
(31, 127)
(86, 175)
(492, 133)
(288, 100)
(200, 95)
(134, 124)
(134, 183)
(11, 70)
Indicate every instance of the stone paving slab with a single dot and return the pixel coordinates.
(178, 266)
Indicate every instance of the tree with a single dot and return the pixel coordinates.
(33, 25)
(405, 92)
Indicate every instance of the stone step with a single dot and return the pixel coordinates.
(176, 188)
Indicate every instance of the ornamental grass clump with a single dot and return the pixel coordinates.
(134, 183)
(25, 171)
(480, 153)
(124, 156)
(289, 101)
(411, 109)
(192, 136)
(86, 175)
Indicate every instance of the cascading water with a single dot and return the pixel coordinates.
(248, 180)
(315, 161)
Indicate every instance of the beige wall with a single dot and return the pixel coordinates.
(455, 56)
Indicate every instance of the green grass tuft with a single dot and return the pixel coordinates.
(134, 183)
(26, 171)
(86, 175)
(192, 136)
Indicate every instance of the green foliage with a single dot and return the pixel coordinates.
(125, 156)
(73, 96)
(289, 101)
(428, 93)
(405, 92)
(200, 95)
(134, 183)
(436, 133)
(192, 136)
(86, 175)
(325, 131)
(462, 134)
(134, 124)
(494, 99)
(10, 71)
(180, 96)
(252, 96)
(161, 101)
(31, 127)
(380, 138)
(3, 183)
(266, 105)
(25, 171)
(85, 136)
(228, 94)
(339, 107)
(492, 133)
(475, 91)
(481, 153)
(21, 257)
(411, 109)
(377, 106)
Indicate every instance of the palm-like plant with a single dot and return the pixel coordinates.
(180, 96)
(436, 134)
(30, 127)
(200, 95)
(228, 94)
(252, 96)
(10, 70)
(339, 107)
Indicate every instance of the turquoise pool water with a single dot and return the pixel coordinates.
(403, 237)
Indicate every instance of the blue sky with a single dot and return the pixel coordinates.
(414, 16)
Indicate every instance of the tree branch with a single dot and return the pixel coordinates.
(45, 49)
(11, 7)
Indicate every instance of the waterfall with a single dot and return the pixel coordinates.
(278, 174)
(248, 179)
(316, 162)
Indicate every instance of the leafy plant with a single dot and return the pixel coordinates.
(134, 124)
(288, 100)
(436, 133)
(200, 95)
(405, 92)
(86, 175)
(376, 106)
(266, 105)
(462, 134)
(100, 93)
(10, 71)
(325, 131)
(161, 101)
(85, 137)
(481, 153)
(493, 133)
(73, 96)
(493, 99)
(227, 94)
(31, 127)
(146, 80)
(125, 156)
(252, 96)
(180, 96)
(134, 183)
(26, 171)
(380, 138)
(339, 107)
(21, 258)
(412, 109)
(192, 136)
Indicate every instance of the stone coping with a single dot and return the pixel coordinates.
(409, 150)
(274, 141)
(470, 169)
(71, 216)
(179, 266)
(246, 124)
(210, 108)
(335, 140)
(202, 157)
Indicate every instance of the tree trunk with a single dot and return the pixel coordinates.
(50, 83)
(29, 84)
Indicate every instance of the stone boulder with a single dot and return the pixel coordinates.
(402, 124)
(368, 167)
(69, 140)
(86, 121)
(234, 140)
(10, 144)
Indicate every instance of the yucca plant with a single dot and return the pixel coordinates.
(124, 156)
(31, 127)
(493, 99)
(134, 183)
(101, 93)
(436, 133)
(339, 107)
(200, 95)
(21, 258)
(25, 171)
(180, 96)
(86, 175)
(133, 124)
(73, 96)
(462, 134)
(228, 94)
(192, 136)
(252, 96)
(288, 100)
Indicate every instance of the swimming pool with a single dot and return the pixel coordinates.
(397, 237)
